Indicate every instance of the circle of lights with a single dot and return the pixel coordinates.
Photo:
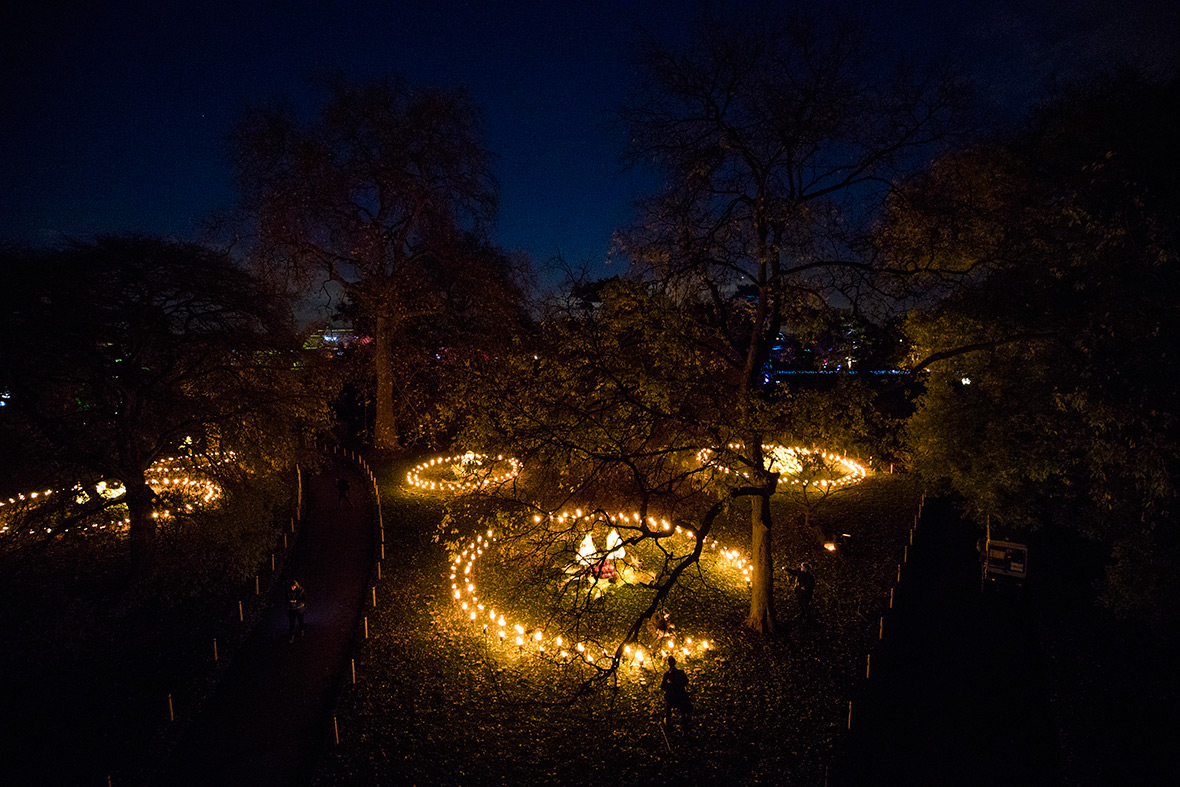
(174, 476)
(785, 460)
(425, 475)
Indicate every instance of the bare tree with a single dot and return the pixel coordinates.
(388, 194)
(777, 141)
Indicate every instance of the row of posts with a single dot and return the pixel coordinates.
(359, 460)
(905, 557)
(376, 497)
(288, 536)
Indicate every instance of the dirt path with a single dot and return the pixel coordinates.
(269, 718)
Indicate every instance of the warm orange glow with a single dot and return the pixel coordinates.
(429, 475)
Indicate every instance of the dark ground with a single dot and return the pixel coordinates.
(269, 719)
(436, 705)
(958, 692)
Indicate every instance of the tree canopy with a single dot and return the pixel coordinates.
(388, 193)
(1045, 400)
(126, 350)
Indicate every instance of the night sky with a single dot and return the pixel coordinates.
(116, 114)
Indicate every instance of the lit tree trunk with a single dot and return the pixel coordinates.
(761, 617)
(385, 422)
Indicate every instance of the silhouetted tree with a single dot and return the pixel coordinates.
(606, 404)
(777, 138)
(122, 351)
(388, 193)
(1046, 399)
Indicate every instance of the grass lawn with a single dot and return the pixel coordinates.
(439, 702)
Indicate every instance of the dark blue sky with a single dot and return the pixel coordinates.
(115, 114)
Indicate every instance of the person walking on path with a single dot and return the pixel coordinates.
(675, 688)
(342, 492)
(804, 589)
(296, 604)
(264, 724)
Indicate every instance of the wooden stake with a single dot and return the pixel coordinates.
(383, 551)
(374, 595)
(171, 714)
(336, 730)
(868, 664)
(366, 628)
(241, 617)
(849, 714)
(378, 569)
(272, 562)
(284, 541)
(899, 572)
(353, 670)
(905, 555)
(891, 598)
(881, 629)
(257, 590)
(215, 650)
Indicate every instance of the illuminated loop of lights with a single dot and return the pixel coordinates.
(418, 478)
(168, 475)
(785, 460)
(540, 642)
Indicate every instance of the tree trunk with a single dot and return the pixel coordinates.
(143, 525)
(761, 617)
(385, 423)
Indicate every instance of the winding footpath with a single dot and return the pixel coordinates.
(270, 717)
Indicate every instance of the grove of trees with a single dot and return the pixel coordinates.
(126, 350)
(1047, 399)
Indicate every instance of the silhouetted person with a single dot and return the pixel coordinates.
(804, 589)
(675, 688)
(296, 604)
(342, 492)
